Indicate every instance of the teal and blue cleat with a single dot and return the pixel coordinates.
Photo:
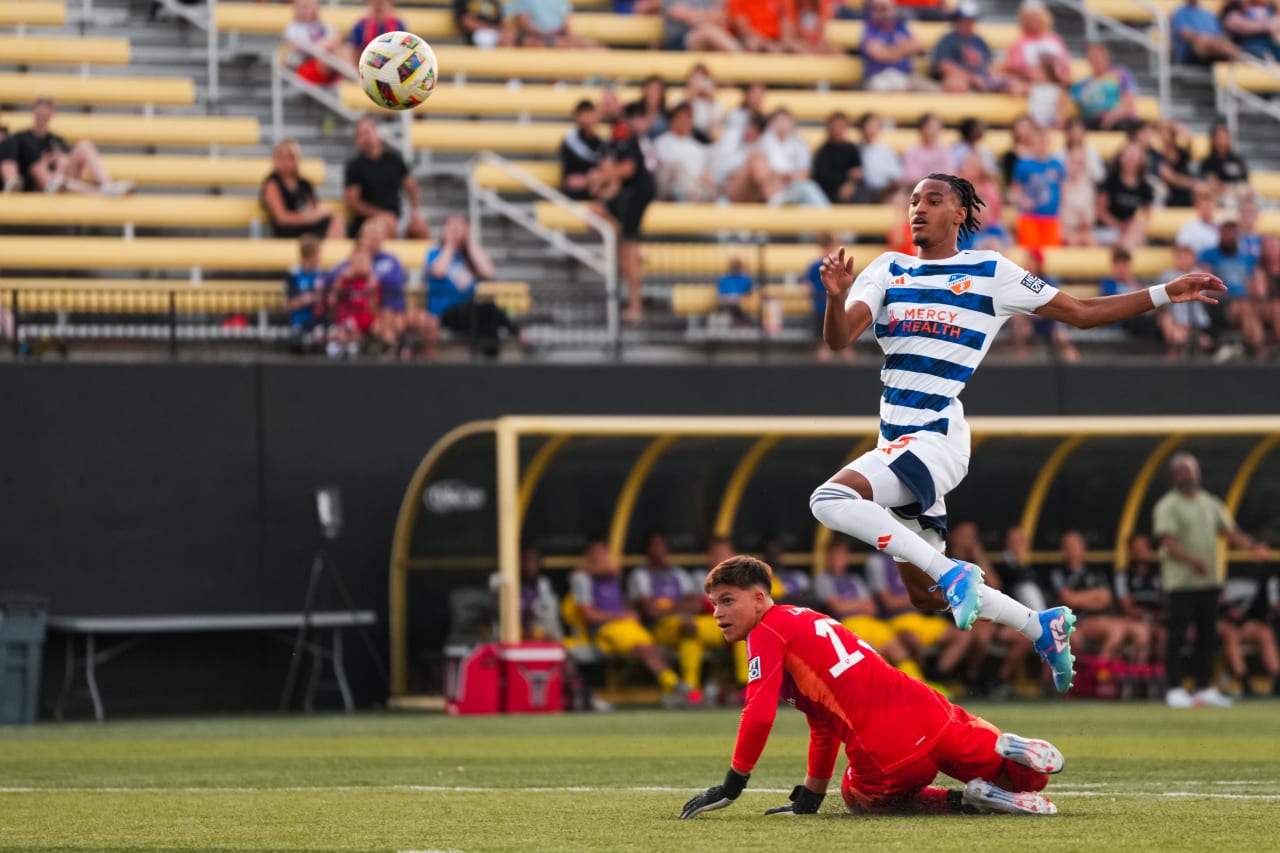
(962, 587)
(1054, 646)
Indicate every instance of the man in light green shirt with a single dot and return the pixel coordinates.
(1188, 522)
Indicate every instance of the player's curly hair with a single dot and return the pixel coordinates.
(742, 571)
(969, 200)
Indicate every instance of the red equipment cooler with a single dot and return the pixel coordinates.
(532, 675)
(472, 682)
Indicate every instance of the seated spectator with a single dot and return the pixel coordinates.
(1198, 37)
(684, 165)
(1250, 239)
(381, 18)
(372, 183)
(1151, 326)
(887, 49)
(1023, 326)
(290, 200)
(929, 155)
(1252, 25)
(1036, 40)
(304, 294)
(581, 153)
(731, 288)
(700, 94)
(306, 30)
(740, 170)
(697, 25)
(1234, 310)
(482, 23)
(653, 95)
(1088, 592)
(1108, 98)
(403, 328)
(1049, 94)
(353, 304)
(972, 130)
(837, 164)
(631, 165)
(758, 24)
(1036, 190)
(735, 123)
(1078, 209)
(1266, 286)
(610, 106)
(961, 60)
(881, 166)
(992, 235)
(826, 244)
(1016, 573)
(1173, 164)
(1200, 234)
(1124, 200)
(1076, 137)
(1138, 589)
(1243, 623)
(453, 269)
(1020, 133)
(38, 160)
(806, 26)
(789, 158)
(613, 626)
(1223, 168)
(543, 23)
(1187, 332)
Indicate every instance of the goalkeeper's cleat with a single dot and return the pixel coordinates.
(1040, 755)
(962, 587)
(985, 797)
(1057, 624)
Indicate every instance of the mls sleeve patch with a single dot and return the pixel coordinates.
(1033, 283)
(753, 668)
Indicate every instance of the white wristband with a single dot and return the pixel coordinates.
(1159, 295)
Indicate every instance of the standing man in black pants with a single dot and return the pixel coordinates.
(1188, 522)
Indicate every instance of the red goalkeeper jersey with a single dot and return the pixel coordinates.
(849, 693)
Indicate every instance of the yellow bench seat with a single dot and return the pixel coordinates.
(176, 170)
(672, 218)
(178, 131)
(62, 50)
(1245, 76)
(179, 253)
(172, 211)
(32, 13)
(98, 90)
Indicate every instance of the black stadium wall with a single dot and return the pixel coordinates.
(128, 489)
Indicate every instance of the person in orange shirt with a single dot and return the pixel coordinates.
(760, 24)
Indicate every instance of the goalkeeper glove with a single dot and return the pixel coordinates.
(803, 801)
(717, 797)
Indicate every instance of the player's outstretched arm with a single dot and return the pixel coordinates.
(716, 797)
(1105, 310)
(841, 325)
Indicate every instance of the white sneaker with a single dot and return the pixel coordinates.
(985, 797)
(1039, 755)
(117, 188)
(1178, 697)
(1211, 697)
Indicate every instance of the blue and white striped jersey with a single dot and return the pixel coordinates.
(935, 320)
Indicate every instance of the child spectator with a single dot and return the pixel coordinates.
(697, 25)
(837, 164)
(581, 152)
(481, 23)
(304, 293)
(1048, 99)
(353, 301)
(380, 20)
(453, 269)
(881, 166)
(1037, 182)
(732, 287)
(929, 155)
(290, 200)
(544, 23)
(1078, 208)
(307, 30)
(1124, 200)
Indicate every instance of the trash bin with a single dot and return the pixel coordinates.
(22, 621)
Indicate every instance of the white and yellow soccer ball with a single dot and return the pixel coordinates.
(398, 70)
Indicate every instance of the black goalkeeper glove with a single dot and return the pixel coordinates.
(803, 801)
(717, 797)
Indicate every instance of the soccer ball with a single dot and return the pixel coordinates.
(398, 71)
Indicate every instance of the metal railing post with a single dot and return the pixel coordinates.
(213, 58)
(277, 99)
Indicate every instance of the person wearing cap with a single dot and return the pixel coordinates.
(44, 161)
(961, 59)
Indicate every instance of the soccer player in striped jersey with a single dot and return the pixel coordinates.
(935, 316)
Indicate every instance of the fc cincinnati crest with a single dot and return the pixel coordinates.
(959, 283)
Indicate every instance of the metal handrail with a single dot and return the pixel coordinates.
(1229, 99)
(605, 263)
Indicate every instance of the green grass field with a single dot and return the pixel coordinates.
(1138, 777)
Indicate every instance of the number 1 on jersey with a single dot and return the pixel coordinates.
(845, 658)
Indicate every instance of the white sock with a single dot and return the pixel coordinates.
(1007, 610)
(844, 510)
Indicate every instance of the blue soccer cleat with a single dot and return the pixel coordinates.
(1039, 755)
(1057, 624)
(962, 587)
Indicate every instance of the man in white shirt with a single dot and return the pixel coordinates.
(1200, 233)
(684, 164)
(881, 165)
(791, 160)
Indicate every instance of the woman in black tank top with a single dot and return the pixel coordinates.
(290, 200)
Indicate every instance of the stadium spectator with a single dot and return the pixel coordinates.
(1200, 233)
(614, 627)
(837, 164)
(1076, 137)
(1188, 521)
(306, 30)
(881, 165)
(700, 93)
(930, 154)
(740, 169)
(290, 200)
(353, 303)
(961, 60)
(1036, 191)
(684, 166)
(406, 327)
(992, 236)
(1266, 286)
(1187, 331)
(38, 159)
(544, 23)
(972, 131)
(826, 244)
(670, 605)
(888, 49)
(1138, 590)
(453, 269)
(1022, 327)
(1036, 41)
(1224, 168)
(697, 25)
(1078, 209)
(1156, 325)
(1108, 98)
(807, 26)
(610, 106)
(1088, 593)
(1173, 164)
(653, 94)
(482, 23)
(735, 123)
(1049, 95)
(581, 153)
(1198, 38)
(1020, 138)
(925, 10)
(1016, 572)
(1252, 25)
(790, 160)
(759, 24)
(1250, 239)
(380, 19)
(373, 182)
(791, 585)
(1242, 621)
(304, 294)
(732, 288)
(631, 163)
(1125, 199)
(1234, 309)
(844, 594)
(719, 549)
